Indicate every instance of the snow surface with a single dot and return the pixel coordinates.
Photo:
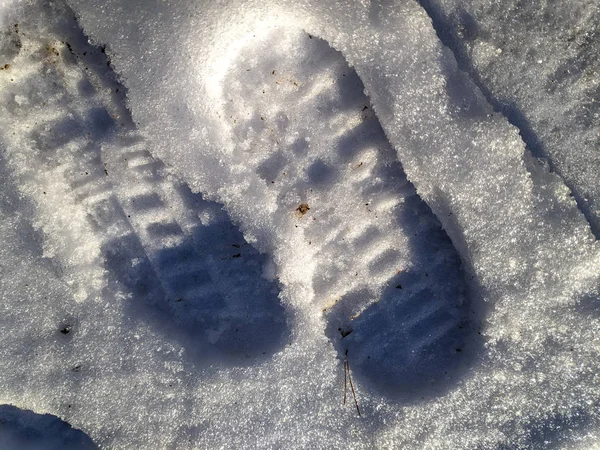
(537, 62)
(211, 206)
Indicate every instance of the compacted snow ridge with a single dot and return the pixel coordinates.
(554, 102)
(210, 210)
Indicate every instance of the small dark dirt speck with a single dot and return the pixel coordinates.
(303, 208)
(237, 255)
(66, 330)
(399, 286)
(345, 332)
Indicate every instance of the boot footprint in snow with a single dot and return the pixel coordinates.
(386, 275)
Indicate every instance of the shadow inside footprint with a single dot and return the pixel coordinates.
(208, 292)
(25, 430)
(420, 335)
